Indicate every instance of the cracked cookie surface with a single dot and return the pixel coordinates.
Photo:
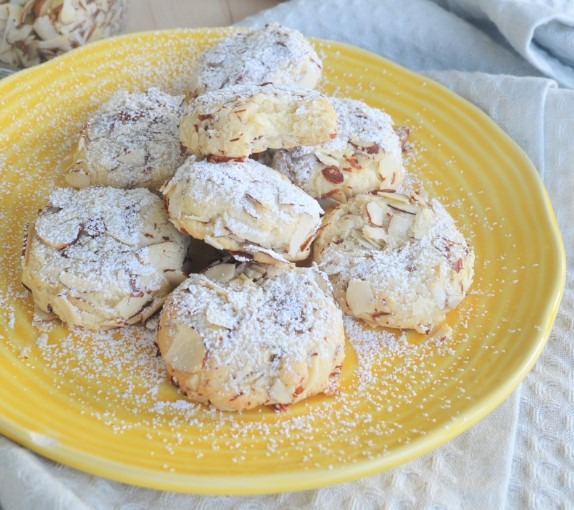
(101, 257)
(238, 121)
(365, 155)
(244, 207)
(395, 261)
(240, 336)
(131, 141)
(271, 54)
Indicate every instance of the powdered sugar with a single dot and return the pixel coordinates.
(404, 269)
(245, 336)
(211, 102)
(286, 305)
(131, 141)
(271, 54)
(245, 203)
(96, 257)
(365, 139)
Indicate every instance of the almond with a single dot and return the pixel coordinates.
(77, 177)
(186, 351)
(221, 273)
(399, 227)
(375, 213)
(360, 298)
(403, 133)
(376, 234)
(280, 393)
(333, 174)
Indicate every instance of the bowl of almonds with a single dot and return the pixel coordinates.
(33, 31)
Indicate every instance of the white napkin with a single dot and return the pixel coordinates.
(521, 455)
(541, 31)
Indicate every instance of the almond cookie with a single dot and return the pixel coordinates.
(395, 261)
(365, 155)
(271, 54)
(132, 141)
(242, 336)
(243, 207)
(238, 121)
(101, 258)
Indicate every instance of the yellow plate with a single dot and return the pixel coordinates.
(104, 405)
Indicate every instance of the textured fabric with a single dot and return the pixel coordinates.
(541, 31)
(520, 456)
(415, 33)
(437, 477)
(543, 464)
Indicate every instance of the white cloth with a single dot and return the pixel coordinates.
(542, 31)
(520, 456)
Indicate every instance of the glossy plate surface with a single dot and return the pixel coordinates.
(102, 403)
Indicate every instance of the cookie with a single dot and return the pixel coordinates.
(247, 335)
(365, 155)
(271, 54)
(238, 121)
(243, 207)
(132, 141)
(101, 258)
(395, 261)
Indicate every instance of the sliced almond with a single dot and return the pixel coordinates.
(327, 159)
(82, 304)
(193, 381)
(68, 12)
(401, 203)
(186, 351)
(166, 255)
(360, 298)
(376, 234)
(376, 213)
(399, 227)
(214, 242)
(78, 177)
(279, 393)
(45, 29)
(174, 277)
(220, 316)
(442, 333)
(136, 157)
(66, 235)
(315, 374)
(368, 244)
(131, 306)
(221, 273)
(333, 174)
(422, 223)
(303, 236)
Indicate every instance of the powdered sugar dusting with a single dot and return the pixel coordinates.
(265, 336)
(211, 102)
(242, 183)
(131, 141)
(285, 312)
(361, 130)
(237, 204)
(362, 126)
(270, 54)
(118, 229)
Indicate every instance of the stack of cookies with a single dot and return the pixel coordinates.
(246, 163)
